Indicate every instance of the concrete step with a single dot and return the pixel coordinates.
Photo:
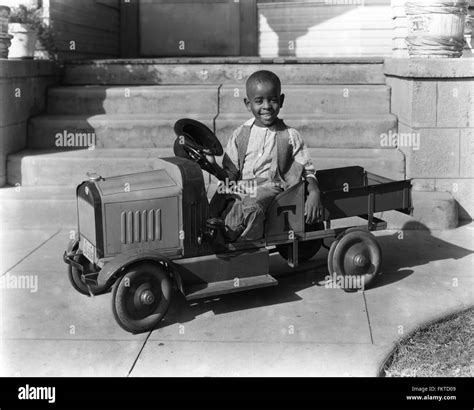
(324, 131)
(185, 99)
(192, 100)
(110, 131)
(389, 163)
(316, 99)
(55, 167)
(432, 211)
(166, 71)
(152, 131)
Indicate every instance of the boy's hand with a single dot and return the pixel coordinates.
(215, 168)
(313, 208)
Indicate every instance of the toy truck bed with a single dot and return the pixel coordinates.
(351, 191)
(345, 192)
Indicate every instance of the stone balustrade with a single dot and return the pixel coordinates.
(434, 103)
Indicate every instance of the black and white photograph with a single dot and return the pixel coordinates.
(237, 189)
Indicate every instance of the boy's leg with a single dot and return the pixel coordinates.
(254, 208)
(229, 208)
(220, 203)
(234, 219)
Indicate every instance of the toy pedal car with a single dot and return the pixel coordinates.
(153, 235)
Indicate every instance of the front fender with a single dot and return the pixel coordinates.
(108, 273)
(70, 253)
(72, 245)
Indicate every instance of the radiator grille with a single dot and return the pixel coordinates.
(140, 226)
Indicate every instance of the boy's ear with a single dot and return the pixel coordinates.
(247, 104)
(282, 98)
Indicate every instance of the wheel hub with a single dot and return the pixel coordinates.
(147, 297)
(360, 260)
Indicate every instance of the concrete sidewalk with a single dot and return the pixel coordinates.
(299, 328)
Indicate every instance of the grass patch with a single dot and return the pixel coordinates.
(442, 349)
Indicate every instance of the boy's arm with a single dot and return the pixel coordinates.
(301, 155)
(312, 184)
(313, 205)
(229, 169)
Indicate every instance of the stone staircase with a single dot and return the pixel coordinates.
(340, 106)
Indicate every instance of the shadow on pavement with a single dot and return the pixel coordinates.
(402, 252)
(387, 278)
(416, 248)
(411, 248)
(286, 291)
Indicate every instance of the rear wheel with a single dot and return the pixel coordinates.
(306, 249)
(332, 248)
(141, 297)
(355, 260)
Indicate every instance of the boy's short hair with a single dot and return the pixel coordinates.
(263, 76)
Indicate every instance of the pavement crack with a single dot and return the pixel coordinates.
(138, 355)
(31, 252)
(368, 318)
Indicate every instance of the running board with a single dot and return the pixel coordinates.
(229, 286)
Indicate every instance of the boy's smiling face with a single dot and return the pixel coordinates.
(264, 102)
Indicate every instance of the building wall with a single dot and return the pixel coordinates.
(23, 87)
(86, 28)
(325, 28)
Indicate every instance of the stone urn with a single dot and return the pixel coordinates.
(436, 28)
(24, 40)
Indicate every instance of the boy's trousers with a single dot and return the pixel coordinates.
(244, 209)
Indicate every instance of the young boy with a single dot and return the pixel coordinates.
(263, 157)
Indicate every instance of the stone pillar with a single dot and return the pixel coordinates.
(434, 102)
(23, 87)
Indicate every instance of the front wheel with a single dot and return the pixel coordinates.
(141, 298)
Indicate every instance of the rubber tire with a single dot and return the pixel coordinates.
(373, 247)
(333, 245)
(146, 272)
(306, 249)
(331, 255)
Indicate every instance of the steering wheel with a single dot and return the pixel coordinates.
(192, 151)
(195, 140)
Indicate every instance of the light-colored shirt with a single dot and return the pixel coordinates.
(262, 148)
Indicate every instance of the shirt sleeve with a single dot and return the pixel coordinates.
(230, 160)
(301, 154)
